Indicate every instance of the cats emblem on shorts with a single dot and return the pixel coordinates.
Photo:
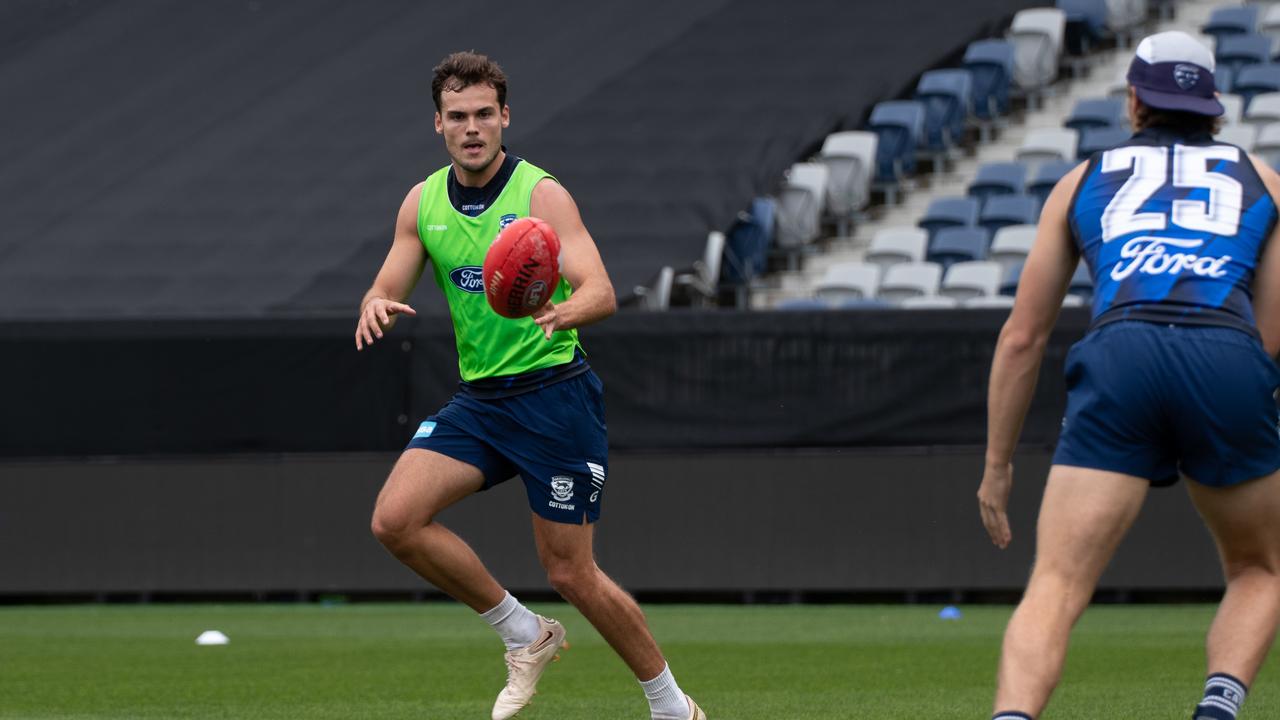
(562, 488)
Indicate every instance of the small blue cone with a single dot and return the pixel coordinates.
(950, 612)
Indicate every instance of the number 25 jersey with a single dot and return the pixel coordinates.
(1171, 227)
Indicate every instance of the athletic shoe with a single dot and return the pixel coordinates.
(695, 712)
(525, 665)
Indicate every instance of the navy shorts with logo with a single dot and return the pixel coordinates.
(1156, 401)
(554, 437)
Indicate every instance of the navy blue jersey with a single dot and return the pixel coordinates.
(1172, 227)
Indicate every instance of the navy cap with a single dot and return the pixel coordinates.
(1172, 71)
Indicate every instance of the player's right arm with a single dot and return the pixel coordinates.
(399, 274)
(1266, 281)
(1020, 349)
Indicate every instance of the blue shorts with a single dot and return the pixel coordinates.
(553, 437)
(1154, 400)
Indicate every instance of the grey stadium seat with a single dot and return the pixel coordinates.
(990, 301)
(1241, 135)
(929, 302)
(1011, 245)
(1037, 41)
(800, 206)
(910, 280)
(1264, 109)
(1044, 144)
(897, 245)
(850, 158)
(972, 279)
(705, 278)
(1268, 144)
(1233, 107)
(848, 281)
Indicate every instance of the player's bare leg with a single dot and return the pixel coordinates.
(1083, 517)
(1243, 522)
(566, 554)
(422, 484)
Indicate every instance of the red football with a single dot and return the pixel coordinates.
(522, 268)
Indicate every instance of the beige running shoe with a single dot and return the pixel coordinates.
(695, 712)
(525, 665)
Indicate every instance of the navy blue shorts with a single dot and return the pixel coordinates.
(553, 437)
(1154, 400)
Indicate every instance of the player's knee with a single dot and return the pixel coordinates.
(570, 578)
(1261, 565)
(391, 529)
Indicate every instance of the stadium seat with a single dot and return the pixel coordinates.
(1098, 139)
(949, 212)
(899, 128)
(1237, 51)
(1268, 144)
(929, 302)
(864, 304)
(1227, 20)
(990, 63)
(747, 245)
(802, 304)
(1037, 40)
(1096, 113)
(910, 280)
(1224, 80)
(1047, 175)
(1044, 144)
(845, 281)
(800, 208)
(658, 295)
(998, 179)
(850, 158)
(1011, 245)
(947, 97)
(990, 302)
(1009, 283)
(1254, 80)
(1264, 109)
(1119, 87)
(1005, 210)
(958, 244)
(1269, 25)
(704, 281)
(897, 245)
(1086, 25)
(1125, 17)
(1070, 300)
(971, 279)
(1233, 108)
(1243, 136)
(1081, 284)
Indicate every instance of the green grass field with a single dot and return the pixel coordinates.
(439, 661)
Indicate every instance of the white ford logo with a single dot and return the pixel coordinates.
(468, 279)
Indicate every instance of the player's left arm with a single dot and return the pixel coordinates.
(592, 299)
(1266, 281)
(1020, 349)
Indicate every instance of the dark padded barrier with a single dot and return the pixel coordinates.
(672, 380)
(688, 522)
(230, 158)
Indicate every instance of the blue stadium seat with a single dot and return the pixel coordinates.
(1224, 79)
(1096, 112)
(946, 95)
(747, 249)
(1237, 51)
(802, 304)
(1004, 210)
(958, 244)
(999, 179)
(1226, 21)
(1086, 24)
(1255, 80)
(1094, 140)
(899, 126)
(990, 63)
(1045, 176)
(949, 212)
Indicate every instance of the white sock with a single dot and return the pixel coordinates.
(666, 700)
(515, 624)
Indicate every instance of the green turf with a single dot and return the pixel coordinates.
(439, 661)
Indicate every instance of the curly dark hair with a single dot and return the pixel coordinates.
(461, 70)
(1181, 122)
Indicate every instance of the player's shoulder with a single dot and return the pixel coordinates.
(1267, 174)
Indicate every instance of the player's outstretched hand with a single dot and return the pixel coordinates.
(547, 318)
(993, 502)
(378, 316)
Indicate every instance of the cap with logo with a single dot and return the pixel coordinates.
(1173, 71)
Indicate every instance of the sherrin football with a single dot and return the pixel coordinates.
(522, 268)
